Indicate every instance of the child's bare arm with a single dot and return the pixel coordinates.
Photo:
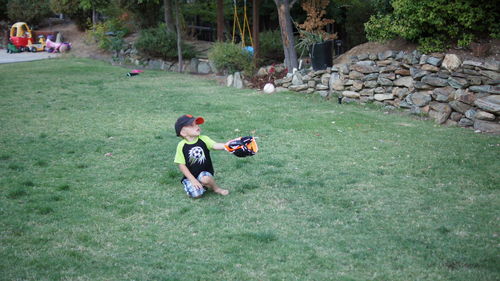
(190, 176)
(221, 146)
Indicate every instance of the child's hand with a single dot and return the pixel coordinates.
(197, 184)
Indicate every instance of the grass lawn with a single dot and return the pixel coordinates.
(89, 190)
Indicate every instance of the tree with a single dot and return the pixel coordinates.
(169, 19)
(286, 27)
(178, 30)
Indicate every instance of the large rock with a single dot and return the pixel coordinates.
(421, 98)
(335, 82)
(383, 97)
(483, 115)
(488, 127)
(457, 82)
(230, 80)
(238, 82)
(443, 94)
(204, 67)
(365, 67)
(405, 81)
(435, 81)
(350, 94)
(451, 62)
(356, 75)
(325, 78)
(384, 81)
(481, 89)
(297, 79)
(465, 96)
(436, 61)
(298, 88)
(489, 103)
(459, 106)
(442, 111)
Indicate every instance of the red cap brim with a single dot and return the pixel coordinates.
(199, 120)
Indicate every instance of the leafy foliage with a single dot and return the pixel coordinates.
(230, 57)
(30, 11)
(159, 43)
(435, 24)
(271, 47)
(109, 35)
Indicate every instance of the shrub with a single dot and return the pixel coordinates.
(435, 24)
(30, 11)
(109, 35)
(157, 42)
(271, 47)
(231, 57)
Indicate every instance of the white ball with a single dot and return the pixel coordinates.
(269, 88)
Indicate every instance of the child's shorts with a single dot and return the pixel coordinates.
(191, 190)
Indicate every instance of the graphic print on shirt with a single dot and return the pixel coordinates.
(196, 155)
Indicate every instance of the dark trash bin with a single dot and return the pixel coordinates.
(322, 55)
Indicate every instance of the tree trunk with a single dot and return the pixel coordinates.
(256, 27)
(220, 20)
(179, 39)
(285, 20)
(169, 19)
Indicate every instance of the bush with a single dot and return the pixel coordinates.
(109, 35)
(435, 24)
(159, 43)
(29, 11)
(271, 47)
(231, 57)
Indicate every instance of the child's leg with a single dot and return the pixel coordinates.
(209, 182)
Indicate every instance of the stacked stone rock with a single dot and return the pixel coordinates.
(452, 92)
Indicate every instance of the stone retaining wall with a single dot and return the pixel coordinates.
(451, 91)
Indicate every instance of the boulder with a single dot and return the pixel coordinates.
(298, 88)
(483, 115)
(489, 103)
(230, 80)
(443, 94)
(429, 67)
(435, 61)
(355, 75)
(421, 98)
(488, 127)
(204, 67)
(297, 79)
(383, 97)
(459, 106)
(384, 81)
(451, 62)
(465, 122)
(405, 81)
(336, 83)
(238, 82)
(457, 83)
(350, 94)
(435, 81)
(365, 67)
(455, 116)
(441, 111)
(465, 96)
(387, 54)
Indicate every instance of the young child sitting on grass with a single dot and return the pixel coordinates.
(193, 157)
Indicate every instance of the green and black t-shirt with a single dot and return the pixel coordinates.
(195, 155)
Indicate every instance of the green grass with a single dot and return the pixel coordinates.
(336, 192)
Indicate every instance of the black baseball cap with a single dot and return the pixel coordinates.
(186, 120)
